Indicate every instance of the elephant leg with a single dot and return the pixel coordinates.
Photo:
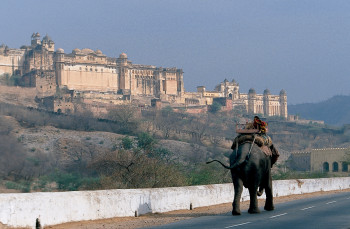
(253, 207)
(238, 187)
(269, 195)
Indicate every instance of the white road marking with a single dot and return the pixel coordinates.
(307, 208)
(278, 215)
(348, 198)
(237, 225)
(331, 202)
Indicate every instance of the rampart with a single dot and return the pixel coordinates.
(22, 210)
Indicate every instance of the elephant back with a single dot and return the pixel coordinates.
(242, 138)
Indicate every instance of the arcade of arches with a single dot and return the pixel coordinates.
(322, 160)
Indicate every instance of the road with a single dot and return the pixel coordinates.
(329, 211)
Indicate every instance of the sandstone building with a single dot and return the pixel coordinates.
(94, 78)
(265, 104)
(321, 160)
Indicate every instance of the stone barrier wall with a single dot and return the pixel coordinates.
(22, 209)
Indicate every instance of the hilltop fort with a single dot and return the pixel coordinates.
(99, 82)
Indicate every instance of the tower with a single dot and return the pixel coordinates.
(48, 44)
(235, 91)
(123, 77)
(266, 102)
(283, 104)
(252, 101)
(59, 63)
(35, 39)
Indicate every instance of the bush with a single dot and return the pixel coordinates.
(24, 186)
(215, 107)
(210, 174)
(66, 181)
(146, 141)
(127, 142)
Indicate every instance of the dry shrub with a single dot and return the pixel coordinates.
(134, 169)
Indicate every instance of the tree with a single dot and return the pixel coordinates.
(135, 169)
(146, 141)
(126, 117)
(166, 111)
(127, 142)
(215, 107)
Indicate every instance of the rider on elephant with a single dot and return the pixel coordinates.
(262, 127)
(261, 138)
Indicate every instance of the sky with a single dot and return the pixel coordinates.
(301, 46)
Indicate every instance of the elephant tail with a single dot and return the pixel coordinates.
(225, 166)
(260, 191)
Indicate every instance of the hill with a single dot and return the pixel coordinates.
(44, 151)
(334, 111)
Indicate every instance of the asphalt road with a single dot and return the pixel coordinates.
(330, 211)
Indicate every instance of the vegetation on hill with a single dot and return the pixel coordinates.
(156, 148)
(334, 111)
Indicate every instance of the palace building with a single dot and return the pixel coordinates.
(96, 78)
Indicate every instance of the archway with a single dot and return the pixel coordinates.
(325, 167)
(344, 167)
(335, 167)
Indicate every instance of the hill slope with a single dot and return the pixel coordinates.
(334, 111)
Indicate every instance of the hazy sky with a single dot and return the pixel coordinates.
(302, 46)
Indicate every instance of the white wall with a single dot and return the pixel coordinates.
(21, 210)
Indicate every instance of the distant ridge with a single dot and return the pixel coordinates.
(334, 111)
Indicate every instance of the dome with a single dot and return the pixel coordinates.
(47, 38)
(98, 52)
(234, 82)
(37, 35)
(251, 91)
(87, 51)
(283, 92)
(75, 51)
(123, 55)
(267, 92)
(59, 50)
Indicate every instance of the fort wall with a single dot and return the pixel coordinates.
(22, 209)
(11, 60)
(88, 78)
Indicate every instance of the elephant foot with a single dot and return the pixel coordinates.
(269, 207)
(253, 210)
(235, 212)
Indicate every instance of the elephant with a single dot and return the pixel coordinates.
(250, 167)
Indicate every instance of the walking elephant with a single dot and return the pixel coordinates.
(250, 167)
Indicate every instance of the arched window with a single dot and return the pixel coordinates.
(335, 167)
(344, 167)
(325, 167)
